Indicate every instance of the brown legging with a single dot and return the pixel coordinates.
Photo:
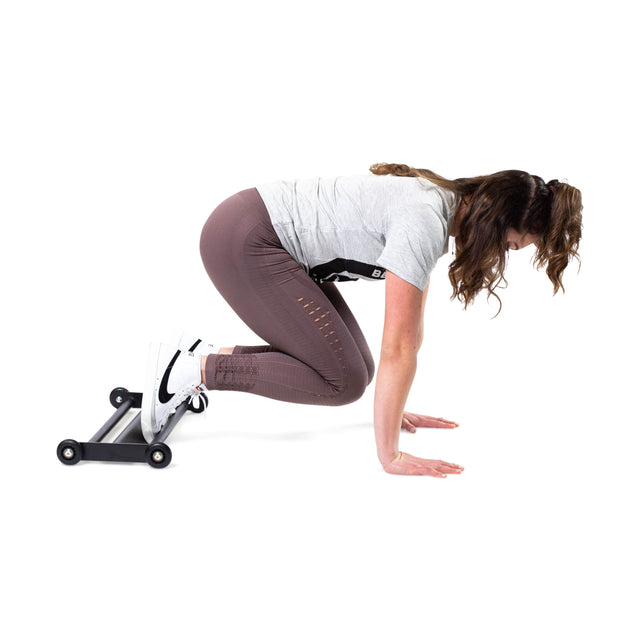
(315, 351)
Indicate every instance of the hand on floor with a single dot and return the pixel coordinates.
(411, 421)
(407, 465)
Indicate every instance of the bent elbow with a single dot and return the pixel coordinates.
(400, 350)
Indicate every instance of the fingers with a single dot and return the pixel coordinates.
(449, 467)
(417, 420)
(443, 468)
(408, 425)
(444, 424)
(406, 464)
(439, 472)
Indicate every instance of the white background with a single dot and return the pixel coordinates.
(123, 125)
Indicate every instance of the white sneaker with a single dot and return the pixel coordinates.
(189, 342)
(173, 376)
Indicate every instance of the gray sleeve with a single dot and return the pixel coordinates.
(413, 245)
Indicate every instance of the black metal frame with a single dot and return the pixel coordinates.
(130, 445)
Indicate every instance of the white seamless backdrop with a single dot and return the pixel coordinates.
(123, 125)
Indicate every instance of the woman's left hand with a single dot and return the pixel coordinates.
(411, 421)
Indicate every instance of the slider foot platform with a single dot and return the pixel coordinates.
(129, 445)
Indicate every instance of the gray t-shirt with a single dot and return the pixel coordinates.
(351, 227)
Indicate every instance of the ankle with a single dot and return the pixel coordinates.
(203, 363)
(203, 366)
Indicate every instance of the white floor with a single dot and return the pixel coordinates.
(278, 517)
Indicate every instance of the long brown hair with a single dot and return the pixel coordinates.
(494, 203)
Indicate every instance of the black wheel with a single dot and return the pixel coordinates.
(158, 455)
(198, 403)
(69, 452)
(118, 396)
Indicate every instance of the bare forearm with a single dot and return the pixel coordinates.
(395, 376)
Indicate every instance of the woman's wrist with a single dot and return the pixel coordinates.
(386, 457)
(395, 375)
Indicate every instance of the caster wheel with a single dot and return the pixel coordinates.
(158, 455)
(198, 403)
(69, 452)
(118, 396)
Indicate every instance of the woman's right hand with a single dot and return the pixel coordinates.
(407, 465)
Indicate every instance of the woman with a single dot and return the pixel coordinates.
(274, 252)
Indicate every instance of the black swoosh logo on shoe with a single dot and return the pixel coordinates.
(163, 393)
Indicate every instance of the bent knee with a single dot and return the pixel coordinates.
(351, 390)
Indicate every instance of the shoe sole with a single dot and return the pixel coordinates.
(153, 379)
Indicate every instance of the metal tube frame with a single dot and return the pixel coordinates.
(129, 445)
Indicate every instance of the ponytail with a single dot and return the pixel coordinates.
(561, 238)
